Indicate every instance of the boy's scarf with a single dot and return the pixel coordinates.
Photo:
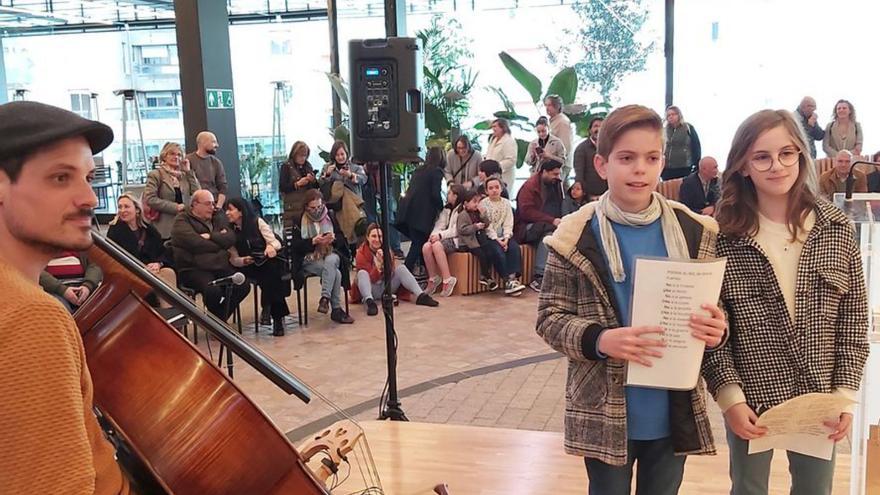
(607, 212)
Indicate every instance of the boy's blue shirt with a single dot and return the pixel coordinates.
(647, 409)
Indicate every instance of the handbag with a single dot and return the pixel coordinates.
(150, 214)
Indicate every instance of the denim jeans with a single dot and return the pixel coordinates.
(750, 474)
(331, 277)
(659, 471)
(400, 277)
(506, 263)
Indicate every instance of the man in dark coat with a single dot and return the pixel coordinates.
(538, 212)
(699, 191)
(200, 241)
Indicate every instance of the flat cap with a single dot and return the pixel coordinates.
(26, 126)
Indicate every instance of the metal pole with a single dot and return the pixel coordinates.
(669, 49)
(333, 25)
(124, 171)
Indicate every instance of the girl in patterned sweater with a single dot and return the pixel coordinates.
(795, 293)
(502, 249)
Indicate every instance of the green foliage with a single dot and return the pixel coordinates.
(522, 147)
(447, 80)
(340, 87)
(564, 84)
(605, 46)
(253, 169)
(529, 81)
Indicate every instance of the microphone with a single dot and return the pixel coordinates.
(236, 278)
(851, 180)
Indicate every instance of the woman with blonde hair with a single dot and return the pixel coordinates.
(795, 293)
(140, 239)
(297, 176)
(169, 187)
(844, 132)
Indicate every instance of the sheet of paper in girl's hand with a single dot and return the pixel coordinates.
(666, 293)
(797, 425)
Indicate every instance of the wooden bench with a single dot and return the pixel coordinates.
(466, 268)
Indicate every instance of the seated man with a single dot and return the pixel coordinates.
(320, 249)
(699, 191)
(834, 179)
(71, 278)
(538, 212)
(201, 242)
(874, 177)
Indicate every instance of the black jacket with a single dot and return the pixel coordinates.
(692, 195)
(422, 202)
(194, 252)
(151, 251)
(300, 247)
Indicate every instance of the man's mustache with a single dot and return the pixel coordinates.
(81, 213)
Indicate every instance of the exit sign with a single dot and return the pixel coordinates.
(219, 99)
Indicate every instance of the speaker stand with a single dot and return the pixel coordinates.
(391, 409)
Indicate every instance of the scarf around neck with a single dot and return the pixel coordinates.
(317, 223)
(607, 212)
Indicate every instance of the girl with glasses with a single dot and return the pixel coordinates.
(795, 296)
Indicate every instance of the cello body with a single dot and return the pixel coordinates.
(187, 423)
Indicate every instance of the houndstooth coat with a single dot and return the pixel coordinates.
(772, 358)
(575, 305)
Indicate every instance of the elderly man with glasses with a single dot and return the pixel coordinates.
(201, 242)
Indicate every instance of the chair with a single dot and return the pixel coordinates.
(670, 188)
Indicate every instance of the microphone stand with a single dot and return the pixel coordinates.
(227, 294)
(392, 409)
(851, 180)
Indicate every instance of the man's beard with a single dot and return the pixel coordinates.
(41, 240)
(212, 151)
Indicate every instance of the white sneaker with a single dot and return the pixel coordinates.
(513, 288)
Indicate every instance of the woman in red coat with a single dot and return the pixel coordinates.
(370, 281)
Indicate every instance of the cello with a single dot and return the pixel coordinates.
(186, 426)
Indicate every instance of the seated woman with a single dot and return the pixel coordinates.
(370, 281)
(140, 239)
(574, 199)
(256, 253)
(320, 249)
(442, 241)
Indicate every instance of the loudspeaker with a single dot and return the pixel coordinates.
(387, 108)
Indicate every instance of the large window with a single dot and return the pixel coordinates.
(81, 104)
(155, 59)
(159, 105)
(733, 59)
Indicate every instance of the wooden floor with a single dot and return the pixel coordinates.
(413, 457)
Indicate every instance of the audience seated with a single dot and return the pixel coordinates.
(169, 188)
(575, 198)
(370, 280)
(255, 253)
(419, 207)
(538, 212)
(834, 179)
(295, 178)
(545, 147)
(499, 245)
(201, 242)
(71, 278)
(584, 170)
(320, 249)
(443, 241)
(699, 191)
(462, 162)
(141, 240)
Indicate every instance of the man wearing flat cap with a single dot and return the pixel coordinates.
(51, 438)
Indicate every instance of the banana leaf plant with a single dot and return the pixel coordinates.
(564, 84)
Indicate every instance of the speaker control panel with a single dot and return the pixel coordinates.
(380, 95)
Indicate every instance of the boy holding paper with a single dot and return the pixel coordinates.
(583, 312)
